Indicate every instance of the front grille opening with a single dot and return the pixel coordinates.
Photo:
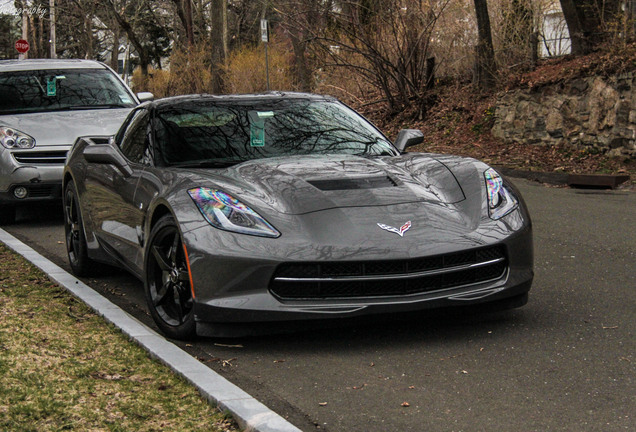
(422, 275)
(41, 157)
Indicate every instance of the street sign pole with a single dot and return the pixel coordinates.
(52, 40)
(25, 23)
(265, 39)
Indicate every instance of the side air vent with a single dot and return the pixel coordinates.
(355, 183)
(100, 140)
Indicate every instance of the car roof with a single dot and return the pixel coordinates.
(45, 64)
(177, 100)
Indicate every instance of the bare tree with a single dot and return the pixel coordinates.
(298, 18)
(387, 43)
(517, 35)
(485, 67)
(184, 12)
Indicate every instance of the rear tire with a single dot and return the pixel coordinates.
(167, 281)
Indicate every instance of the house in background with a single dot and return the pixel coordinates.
(555, 38)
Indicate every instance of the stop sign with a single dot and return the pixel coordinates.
(22, 46)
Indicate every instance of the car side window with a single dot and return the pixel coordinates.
(135, 143)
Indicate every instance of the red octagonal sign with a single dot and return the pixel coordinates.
(22, 46)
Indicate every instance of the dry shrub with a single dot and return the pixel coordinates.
(245, 69)
(453, 41)
(349, 87)
(189, 73)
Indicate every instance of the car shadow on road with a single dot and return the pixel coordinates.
(39, 214)
(434, 326)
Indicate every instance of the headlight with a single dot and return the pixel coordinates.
(225, 212)
(500, 200)
(11, 138)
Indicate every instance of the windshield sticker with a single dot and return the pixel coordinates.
(125, 99)
(257, 134)
(257, 127)
(51, 86)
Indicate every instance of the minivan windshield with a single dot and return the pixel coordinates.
(61, 89)
(214, 133)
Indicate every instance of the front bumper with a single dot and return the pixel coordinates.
(39, 170)
(232, 286)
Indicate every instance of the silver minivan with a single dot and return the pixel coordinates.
(45, 105)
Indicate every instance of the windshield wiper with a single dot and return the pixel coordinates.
(96, 106)
(206, 164)
(82, 107)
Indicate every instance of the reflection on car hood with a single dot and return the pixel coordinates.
(63, 127)
(303, 184)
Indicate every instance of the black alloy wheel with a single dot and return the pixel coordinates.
(76, 247)
(168, 289)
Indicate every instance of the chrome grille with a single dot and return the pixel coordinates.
(55, 157)
(351, 279)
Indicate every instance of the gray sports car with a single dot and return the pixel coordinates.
(282, 207)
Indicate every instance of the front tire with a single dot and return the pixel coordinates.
(167, 281)
(76, 248)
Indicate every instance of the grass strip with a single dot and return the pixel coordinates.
(64, 368)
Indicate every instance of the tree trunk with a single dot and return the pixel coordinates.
(589, 22)
(187, 11)
(114, 56)
(144, 57)
(88, 28)
(485, 68)
(578, 41)
(430, 73)
(219, 43)
(302, 69)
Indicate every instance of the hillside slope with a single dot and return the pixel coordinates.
(461, 120)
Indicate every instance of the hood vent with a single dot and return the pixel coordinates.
(354, 183)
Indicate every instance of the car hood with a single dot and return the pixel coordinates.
(61, 128)
(304, 184)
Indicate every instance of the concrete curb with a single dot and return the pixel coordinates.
(249, 413)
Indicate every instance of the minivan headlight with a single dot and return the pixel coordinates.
(14, 139)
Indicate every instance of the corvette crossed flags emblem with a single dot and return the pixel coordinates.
(399, 231)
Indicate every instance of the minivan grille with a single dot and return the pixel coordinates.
(56, 157)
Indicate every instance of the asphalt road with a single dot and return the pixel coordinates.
(564, 362)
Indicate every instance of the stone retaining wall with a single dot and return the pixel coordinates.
(594, 112)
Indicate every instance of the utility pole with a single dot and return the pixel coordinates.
(52, 18)
(25, 32)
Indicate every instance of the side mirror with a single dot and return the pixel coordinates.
(145, 96)
(408, 138)
(107, 155)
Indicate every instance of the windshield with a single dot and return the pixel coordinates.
(55, 90)
(213, 132)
